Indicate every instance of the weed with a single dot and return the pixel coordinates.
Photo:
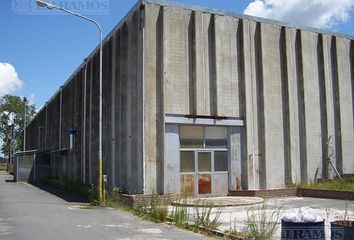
(152, 209)
(179, 214)
(345, 184)
(261, 222)
(202, 215)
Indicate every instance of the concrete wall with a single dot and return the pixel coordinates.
(290, 85)
(76, 105)
(293, 88)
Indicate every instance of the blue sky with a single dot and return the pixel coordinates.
(44, 47)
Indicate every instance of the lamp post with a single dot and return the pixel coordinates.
(51, 6)
(24, 124)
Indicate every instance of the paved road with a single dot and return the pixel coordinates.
(30, 213)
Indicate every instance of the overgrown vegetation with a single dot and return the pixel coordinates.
(203, 217)
(179, 215)
(262, 222)
(345, 184)
(152, 210)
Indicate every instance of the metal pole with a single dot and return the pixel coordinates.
(52, 6)
(24, 125)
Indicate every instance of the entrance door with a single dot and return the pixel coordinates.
(204, 160)
(196, 172)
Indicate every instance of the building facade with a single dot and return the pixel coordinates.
(203, 101)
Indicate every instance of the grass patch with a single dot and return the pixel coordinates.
(345, 184)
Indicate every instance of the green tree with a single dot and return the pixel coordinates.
(12, 113)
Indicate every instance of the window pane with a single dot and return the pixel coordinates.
(187, 162)
(191, 137)
(220, 161)
(204, 162)
(215, 137)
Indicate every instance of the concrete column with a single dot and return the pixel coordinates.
(251, 107)
(171, 171)
(295, 173)
(331, 147)
(312, 105)
(235, 139)
(176, 62)
(226, 56)
(345, 82)
(153, 85)
(202, 22)
(273, 155)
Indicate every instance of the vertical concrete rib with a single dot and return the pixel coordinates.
(90, 123)
(285, 110)
(344, 73)
(139, 108)
(161, 94)
(242, 99)
(134, 75)
(202, 98)
(118, 110)
(337, 107)
(260, 104)
(125, 108)
(272, 136)
(192, 64)
(327, 71)
(351, 53)
(212, 66)
(312, 105)
(226, 67)
(176, 62)
(301, 106)
(153, 85)
(251, 107)
(113, 107)
(323, 104)
(241, 67)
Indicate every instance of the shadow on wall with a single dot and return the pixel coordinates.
(31, 167)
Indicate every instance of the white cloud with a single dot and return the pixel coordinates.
(313, 13)
(9, 80)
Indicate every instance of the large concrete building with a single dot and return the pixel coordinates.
(200, 100)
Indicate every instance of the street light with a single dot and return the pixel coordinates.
(24, 124)
(51, 6)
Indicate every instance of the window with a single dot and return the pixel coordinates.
(220, 161)
(215, 137)
(203, 137)
(204, 162)
(187, 161)
(191, 137)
